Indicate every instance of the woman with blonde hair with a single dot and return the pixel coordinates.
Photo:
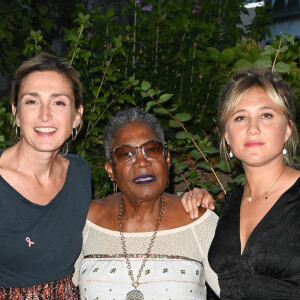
(256, 248)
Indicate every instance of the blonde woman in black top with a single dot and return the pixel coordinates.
(256, 248)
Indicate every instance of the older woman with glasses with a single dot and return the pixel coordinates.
(141, 243)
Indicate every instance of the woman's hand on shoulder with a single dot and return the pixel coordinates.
(195, 198)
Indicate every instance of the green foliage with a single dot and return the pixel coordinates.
(172, 61)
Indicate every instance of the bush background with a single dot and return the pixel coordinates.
(171, 58)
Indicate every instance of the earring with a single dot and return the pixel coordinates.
(284, 151)
(74, 136)
(230, 154)
(19, 136)
(168, 176)
(115, 187)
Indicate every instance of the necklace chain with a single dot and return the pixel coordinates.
(265, 194)
(136, 283)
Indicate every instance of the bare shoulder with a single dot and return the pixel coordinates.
(175, 214)
(292, 175)
(7, 158)
(295, 173)
(103, 211)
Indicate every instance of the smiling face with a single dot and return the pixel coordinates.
(144, 179)
(45, 112)
(257, 129)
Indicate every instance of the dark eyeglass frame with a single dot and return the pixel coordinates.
(112, 153)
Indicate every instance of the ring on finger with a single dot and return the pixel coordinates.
(189, 197)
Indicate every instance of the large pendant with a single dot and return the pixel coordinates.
(135, 295)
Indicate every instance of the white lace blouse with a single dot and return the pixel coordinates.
(177, 268)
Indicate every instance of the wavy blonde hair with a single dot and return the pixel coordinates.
(275, 87)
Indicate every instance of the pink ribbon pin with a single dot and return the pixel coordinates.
(29, 241)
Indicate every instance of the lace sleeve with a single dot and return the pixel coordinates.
(204, 234)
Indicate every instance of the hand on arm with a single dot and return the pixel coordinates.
(197, 197)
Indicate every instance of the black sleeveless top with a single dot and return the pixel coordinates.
(269, 267)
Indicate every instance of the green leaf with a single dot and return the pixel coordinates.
(91, 116)
(130, 100)
(223, 165)
(282, 67)
(183, 117)
(160, 110)
(269, 50)
(193, 174)
(174, 124)
(182, 135)
(242, 64)
(164, 98)
(290, 38)
(126, 97)
(204, 165)
(82, 153)
(144, 95)
(264, 62)
(196, 137)
(210, 187)
(123, 52)
(145, 85)
(196, 154)
(110, 13)
(85, 54)
(284, 48)
(209, 149)
(47, 23)
(213, 52)
(228, 54)
(179, 167)
(151, 92)
(149, 105)
(240, 179)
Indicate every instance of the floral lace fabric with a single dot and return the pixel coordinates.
(59, 290)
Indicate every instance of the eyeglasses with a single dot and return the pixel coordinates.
(125, 155)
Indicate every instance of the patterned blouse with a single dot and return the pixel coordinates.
(177, 267)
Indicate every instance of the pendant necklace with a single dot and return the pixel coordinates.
(137, 294)
(266, 194)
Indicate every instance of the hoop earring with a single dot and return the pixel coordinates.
(74, 136)
(19, 136)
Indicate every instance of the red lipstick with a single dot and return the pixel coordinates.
(253, 144)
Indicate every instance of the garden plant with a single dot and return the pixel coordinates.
(171, 58)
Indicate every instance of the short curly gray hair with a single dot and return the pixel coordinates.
(123, 117)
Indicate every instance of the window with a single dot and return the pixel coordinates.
(253, 3)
